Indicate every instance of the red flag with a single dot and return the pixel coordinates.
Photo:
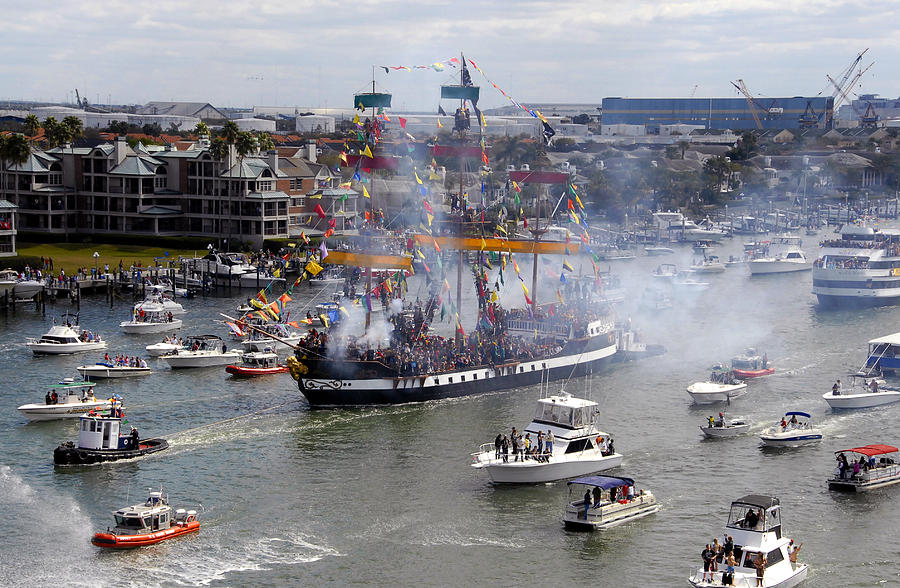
(402, 122)
(428, 207)
(571, 206)
(484, 158)
(332, 222)
(527, 299)
(329, 233)
(525, 220)
(286, 256)
(319, 210)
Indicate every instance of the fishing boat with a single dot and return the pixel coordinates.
(607, 502)
(101, 439)
(721, 386)
(859, 268)
(257, 363)
(20, 287)
(783, 255)
(151, 318)
(718, 428)
(754, 524)
(202, 351)
(64, 400)
(658, 250)
(665, 271)
(64, 339)
(751, 365)
(794, 430)
(113, 369)
(577, 448)
(157, 301)
(876, 467)
(147, 523)
(865, 391)
(710, 264)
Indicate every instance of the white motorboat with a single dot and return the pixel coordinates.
(858, 268)
(607, 502)
(717, 428)
(112, 369)
(864, 392)
(157, 301)
(203, 351)
(64, 339)
(686, 282)
(659, 250)
(709, 265)
(66, 399)
(168, 345)
(781, 255)
(872, 470)
(578, 448)
(702, 247)
(665, 271)
(712, 391)
(754, 524)
(151, 318)
(791, 431)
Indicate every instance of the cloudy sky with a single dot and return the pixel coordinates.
(318, 53)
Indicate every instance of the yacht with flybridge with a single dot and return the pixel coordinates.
(860, 268)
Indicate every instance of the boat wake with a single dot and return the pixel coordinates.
(450, 537)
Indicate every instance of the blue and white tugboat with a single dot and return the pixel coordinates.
(760, 549)
(101, 438)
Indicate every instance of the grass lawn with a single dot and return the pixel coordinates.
(70, 256)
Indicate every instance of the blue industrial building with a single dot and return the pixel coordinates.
(719, 113)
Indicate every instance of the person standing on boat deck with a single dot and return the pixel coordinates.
(527, 446)
(873, 385)
(720, 554)
(765, 361)
(550, 440)
(793, 551)
(587, 502)
(540, 442)
(497, 442)
(760, 564)
(504, 445)
(707, 555)
(728, 575)
(598, 496)
(515, 445)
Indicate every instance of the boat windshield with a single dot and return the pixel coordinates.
(754, 517)
(565, 416)
(129, 522)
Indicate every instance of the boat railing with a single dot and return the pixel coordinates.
(881, 471)
(741, 581)
(487, 455)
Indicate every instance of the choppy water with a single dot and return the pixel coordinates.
(386, 496)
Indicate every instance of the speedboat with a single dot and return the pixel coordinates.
(64, 339)
(790, 261)
(709, 265)
(720, 387)
(168, 345)
(665, 271)
(21, 288)
(791, 431)
(754, 524)
(578, 447)
(702, 247)
(100, 439)
(151, 318)
(203, 351)
(751, 365)
(66, 399)
(111, 369)
(872, 470)
(257, 363)
(717, 428)
(157, 301)
(865, 394)
(607, 502)
(659, 250)
(147, 523)
(685, 281)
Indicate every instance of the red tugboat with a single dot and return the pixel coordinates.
(257, 363)
(751, 365)
(146, 524)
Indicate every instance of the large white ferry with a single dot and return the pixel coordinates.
(862, 267)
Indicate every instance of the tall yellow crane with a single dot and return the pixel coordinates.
(752, 104)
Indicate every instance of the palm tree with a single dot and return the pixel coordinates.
(14, 151)
(218, 149)
(51, 126)
(230, 131)
(265, 141)
(74, 126)
(32, 125)
(201, 129)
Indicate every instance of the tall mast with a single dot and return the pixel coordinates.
(462, 205)
(372, 218)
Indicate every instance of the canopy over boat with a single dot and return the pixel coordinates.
(605, 482)
(757, 500)
(892, 339)
(798, 413)
(870, 450)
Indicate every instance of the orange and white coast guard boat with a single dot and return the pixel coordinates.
(147, 524)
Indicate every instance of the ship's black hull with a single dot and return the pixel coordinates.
(68, 454)
(336, 384)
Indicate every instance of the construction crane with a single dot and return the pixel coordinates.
(841, 87)
(694, 91)
(751, 102)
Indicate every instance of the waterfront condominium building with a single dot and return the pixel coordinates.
(112, 188)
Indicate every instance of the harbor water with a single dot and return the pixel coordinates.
(386, 496)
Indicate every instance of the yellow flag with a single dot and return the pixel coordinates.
(494, 297)
(313, 268)
(324, 320)
(277, 272)
(355, 118)
(368, 153)
(366, 192)
(418, 181)
(344, 157)
(524, 288)
(430, 218)
(483, 243)
(440, 126)
(578, 200)
(345, 184)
